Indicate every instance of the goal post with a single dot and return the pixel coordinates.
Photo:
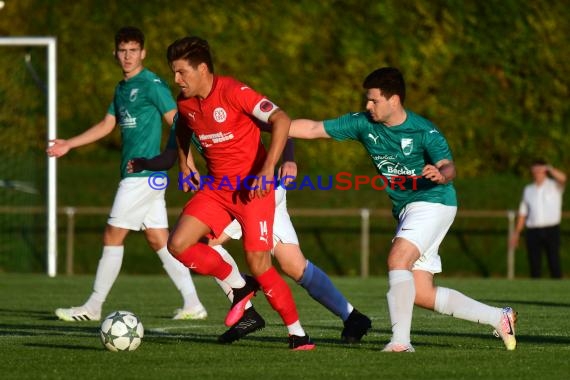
(51, 231)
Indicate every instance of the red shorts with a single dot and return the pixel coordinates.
(217, 208)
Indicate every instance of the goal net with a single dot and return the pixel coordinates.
(27, 120)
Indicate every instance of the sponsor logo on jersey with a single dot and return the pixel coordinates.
(384, 157)
(407, 145)
(215, 138)
(374, 138)
(133, 95)
(126, 120)
(220, 115)
(390, 169)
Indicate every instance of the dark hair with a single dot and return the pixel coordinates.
(128, 34)
(538, 161)
(389, 81)
(192, 49)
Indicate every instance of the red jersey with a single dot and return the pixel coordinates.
(223, 124)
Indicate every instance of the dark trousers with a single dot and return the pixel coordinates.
(547, 239)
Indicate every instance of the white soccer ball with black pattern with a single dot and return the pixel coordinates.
(121, 331)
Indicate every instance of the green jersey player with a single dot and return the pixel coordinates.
(414, 157)
(140, 103)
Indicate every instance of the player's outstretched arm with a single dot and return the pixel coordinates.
(60, 147)
(163, 161)
(308, 129)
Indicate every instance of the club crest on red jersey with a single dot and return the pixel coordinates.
(266, 106)
(220, 115)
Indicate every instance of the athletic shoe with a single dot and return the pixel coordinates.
(506, 328)
(250, 322)
(355, 327)
(77, 314)
(398, 347)
(301, 343)
(241, 297)
(196, 313)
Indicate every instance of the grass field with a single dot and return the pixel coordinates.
(34, 345)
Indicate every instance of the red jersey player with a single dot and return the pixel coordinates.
(220, 112)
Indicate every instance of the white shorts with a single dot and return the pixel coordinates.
(138, 206)
(425, 224)
(283, 230)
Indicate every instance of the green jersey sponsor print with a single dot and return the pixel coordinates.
(399, 154)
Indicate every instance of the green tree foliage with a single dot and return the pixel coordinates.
(493, 75)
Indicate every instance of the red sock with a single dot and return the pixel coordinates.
(279, 295)
(203, 259)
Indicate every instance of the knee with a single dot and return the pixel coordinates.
(114, 235)
(295, 272)
(156, 238)
(403, 255)
(396, 262)
(258, 262)
(177, 244)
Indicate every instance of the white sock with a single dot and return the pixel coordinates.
(296, 329)
(182, 279)
(107, 271)
(451, 302)
(225, 287)
(401, 297)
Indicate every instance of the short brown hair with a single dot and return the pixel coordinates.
(128, 34)
(389, 81)
(194, 50)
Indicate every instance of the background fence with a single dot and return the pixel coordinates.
(368, 224)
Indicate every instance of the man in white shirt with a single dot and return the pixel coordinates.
(540, 211)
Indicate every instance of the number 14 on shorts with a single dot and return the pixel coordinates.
(263, 231)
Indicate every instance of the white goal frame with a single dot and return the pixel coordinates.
(51, 44)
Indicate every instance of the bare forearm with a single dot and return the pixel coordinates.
(96, 132)
(279, 136)
(442, 172)
(558, 175)
(448, 171)
(190, 163)
(520, 224)
(307, 129)
(60, 147)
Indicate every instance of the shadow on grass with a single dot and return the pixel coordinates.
(63, 346)
(7, 329)
(527, 302)
(38, 314)
(531, 339)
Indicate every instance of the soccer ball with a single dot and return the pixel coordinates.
(121, 331)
